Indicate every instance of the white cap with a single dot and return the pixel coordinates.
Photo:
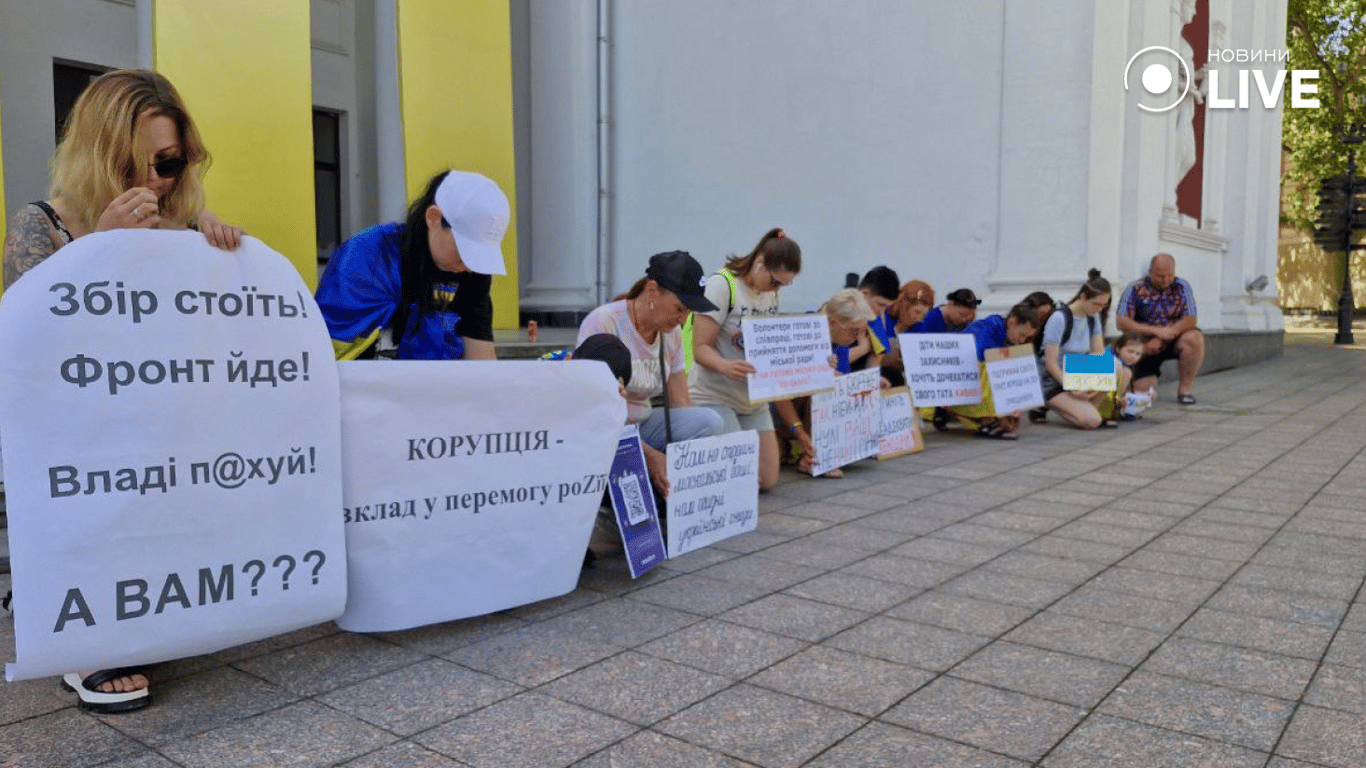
(478, 213)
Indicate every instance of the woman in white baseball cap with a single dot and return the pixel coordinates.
(418, 289)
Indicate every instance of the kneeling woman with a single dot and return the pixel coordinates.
(647, 321)
(1077, 328)
(418, 289)
(1016, 327)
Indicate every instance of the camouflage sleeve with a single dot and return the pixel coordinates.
(30, 240)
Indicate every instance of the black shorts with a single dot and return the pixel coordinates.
(1151, 365)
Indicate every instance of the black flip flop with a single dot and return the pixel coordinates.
(95, 700)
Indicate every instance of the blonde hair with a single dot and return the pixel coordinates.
(97, 160)
(848, 306)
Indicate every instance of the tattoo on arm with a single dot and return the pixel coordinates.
(29, 242)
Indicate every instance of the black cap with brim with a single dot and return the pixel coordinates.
(679, 273)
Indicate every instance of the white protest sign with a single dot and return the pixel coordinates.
(790, 354)
(1013, 373)
(900, 426)
(847, 421)
(469, 486)
(941, 368)
(173, 474)
(713, 489)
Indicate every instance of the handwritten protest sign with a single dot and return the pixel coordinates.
(941, 368)
(170, 417)
(1081, 373)
(634, 504)
(1013, 373)
(846, 421)
(713, 489)
(900, 427)
(790, 354)
(467, 489)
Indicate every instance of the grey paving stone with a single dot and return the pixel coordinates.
(1348, 648)
(1016, 521)
(1101, 533)
(149, 760)
(856, 536)
(943, 550)
(1007, 587)
(1182, 565)
(949, 610)
(1253, 671)
(1339, 687)
(1325, 737)
(989, 537)
(404, 754)
(723, 648)
(636, 687)
(1060, 677)
(279, 642)
(698, 559)
(866, 499)
(904, 519)
(848, 681)
(534, 654)
(904, 642)
(620, 621)
(1272, 604)
(1335, 587)
(761, 571)
(1161, 616)
(852, 591)
(1123, 518)
(1041, 508)
(530, 730)
(199, 703)
(753, 541)
(1036, 566)
(301, 735)
(63, 739)
(909, 571)
(1163, 586)
(1086, 637)
(555, 606)
(1220, 714)
(419, 696)
(776, 731)
(781, 524)
(328, 663)
(815, 554)
(694, 593)
(830, 513)
(436, 639)
(1305, 641)
(23, 699)
(1241, 517)
(879, 745)
(1115, 743)
(795, 617)
(1057, 546)
(1002, 721)
(648, 748)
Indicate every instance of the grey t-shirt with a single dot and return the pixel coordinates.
(1080, 341)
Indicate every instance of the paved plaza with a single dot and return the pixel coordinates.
(1180, 592)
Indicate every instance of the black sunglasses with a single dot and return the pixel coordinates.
(171, 167)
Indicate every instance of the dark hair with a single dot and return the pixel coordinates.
(882, 282)
(609, 349)
(1125, 339)
(779, 252)
(1094, 286)
(1038, 299)
(417, 271)
(1024, 313)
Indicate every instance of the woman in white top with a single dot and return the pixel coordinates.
(647, 321)
(719, 379)
(1086, 313)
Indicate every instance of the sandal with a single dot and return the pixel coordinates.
(995, 431)
(1038, 415)
(804, 466)
(95, 700)
(1185, 399)
(940, 421)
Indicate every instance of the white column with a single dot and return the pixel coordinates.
(393, 186)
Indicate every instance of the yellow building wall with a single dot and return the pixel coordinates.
(244, 70)
(455, 81)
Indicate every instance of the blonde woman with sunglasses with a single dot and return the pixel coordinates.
(130, 158)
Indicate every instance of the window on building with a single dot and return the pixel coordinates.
(327, 181)
(69, 79)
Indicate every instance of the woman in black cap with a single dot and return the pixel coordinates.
(647, 321)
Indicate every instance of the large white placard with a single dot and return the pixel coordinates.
(846, 421)
(941, 368)
(1014, 376)
(171, 428)
(790, 354)
(900, 424)
(713, 489)
(470, 487)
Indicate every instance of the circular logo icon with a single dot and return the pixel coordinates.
(1157, 77)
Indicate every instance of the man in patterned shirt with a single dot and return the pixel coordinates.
(1161, 306)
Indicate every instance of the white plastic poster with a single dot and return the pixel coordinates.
(470, 487)
(170, 419)
(900, 425)
(790, 354)
(846, 422)
(713, 489)
(1013, 373)
(941, 368)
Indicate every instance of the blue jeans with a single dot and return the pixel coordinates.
(687, 423)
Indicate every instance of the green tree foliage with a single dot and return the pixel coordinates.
(1330, 36)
